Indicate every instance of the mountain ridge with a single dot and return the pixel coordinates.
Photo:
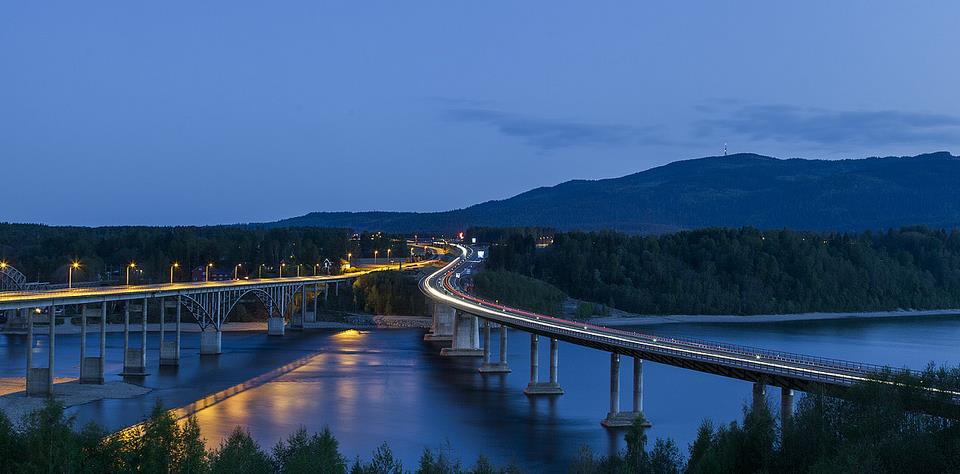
(744, 189)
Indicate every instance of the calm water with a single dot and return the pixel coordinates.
(388, 386)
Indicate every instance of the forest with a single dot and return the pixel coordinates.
(744, 271)
(43, 253)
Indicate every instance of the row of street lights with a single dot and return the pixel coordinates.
(75, 265)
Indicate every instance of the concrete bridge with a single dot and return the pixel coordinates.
(458, 316)
(210, 304)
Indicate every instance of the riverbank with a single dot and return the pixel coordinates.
(70, 328)
(622, 318)
(15, 404)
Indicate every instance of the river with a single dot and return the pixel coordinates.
(388, 385)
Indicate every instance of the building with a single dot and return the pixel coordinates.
(216, 274)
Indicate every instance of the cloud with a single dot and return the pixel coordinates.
(549, 134)
(783, 123)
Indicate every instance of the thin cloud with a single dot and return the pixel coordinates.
(783, 123)
(549, 134)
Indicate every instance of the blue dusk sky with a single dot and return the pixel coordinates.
(206, 112)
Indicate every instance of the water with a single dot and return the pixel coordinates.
(389, 386)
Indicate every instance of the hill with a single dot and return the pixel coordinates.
(720, 191)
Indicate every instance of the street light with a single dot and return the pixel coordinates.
(236, 271)
(129, 266)
(281, 269)
(315, 266)
(388, 254)
(3, 265)
(260, 270)
(206, 272)
(349, 258)
(298, 269)
(173, 266)
(73, 266)
(375, 252)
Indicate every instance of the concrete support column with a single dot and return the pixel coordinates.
(53, 343)
(134, 359)
(101, 363)
(759, 395)
(637, 385)
(554, 360)
(616, 418)
(442, 328)
(486, 342)
(535, 387)
(296, 320)
(210, 342)
(786, 406)
(500, 367)
(38, 383)
(163, 317)
(466, 337)
(90, 371)
(316, 297)
(170, 350)
(275, 326)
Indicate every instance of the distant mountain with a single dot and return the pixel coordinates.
(728, 191)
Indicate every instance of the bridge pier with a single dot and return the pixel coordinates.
(312, 318)
(90, 367)
(135, 358)
(466, 335)
(616, 418)
(275, 326)
(535, 387)
(296, 320)
(786, 406)
(170, 350)
(38, 378)
(442, 328)
(500, 367)
(210, 342)
(759, 395)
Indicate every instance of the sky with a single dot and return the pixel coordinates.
(186, 112)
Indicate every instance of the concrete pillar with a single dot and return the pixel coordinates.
(535, 387)
(275, 326)
(102, 359)
(83, 335)
(442, 328)
(786, 405)
(38, 384)
(316, 297)
(210, 342)
(296, 320)
(134, 358)
(90, 372)
(759, 395)
(466, 337)
(486, 342)
(143, 337)
(53, 344)
(637, 385)
(554, 360)
(163, 317)
(170, 350)
(500, 367)
(616, 418)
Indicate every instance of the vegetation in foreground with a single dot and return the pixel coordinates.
(869, 431)
(744, 271)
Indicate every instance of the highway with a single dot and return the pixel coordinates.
(30, 299)
(787, 370)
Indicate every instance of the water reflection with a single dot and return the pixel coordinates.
(388, 385)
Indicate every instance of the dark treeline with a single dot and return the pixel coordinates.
(519, 291)
(870, 430)
(43, 253)
(745, 271)
(389, 292)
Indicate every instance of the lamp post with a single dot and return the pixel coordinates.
(281, 269)
(388, 254)
(298, 269)
(173, 266)
(73, 266)
(315, 267)
(236, 271)
(260, 270)
(349, 259)
(129, 266)
(375, 252)
(206, 272)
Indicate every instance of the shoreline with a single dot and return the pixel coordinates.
(629, 319)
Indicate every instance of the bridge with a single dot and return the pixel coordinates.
(210, 304)
(457, 316)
